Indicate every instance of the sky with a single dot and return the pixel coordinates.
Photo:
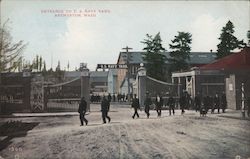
(54, 29)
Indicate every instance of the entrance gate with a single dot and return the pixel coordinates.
(63, 96)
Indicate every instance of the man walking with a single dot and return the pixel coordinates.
(197, 102)
(216, 103)
(82, 110)
(206, 103)
(171, 103)
(136, 106)
(223, 102)
(158, 104)
(147, 104)
(182, 102)
(105, 109)
(109, 98)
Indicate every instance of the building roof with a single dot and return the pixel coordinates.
(195, 57)
(235, 61)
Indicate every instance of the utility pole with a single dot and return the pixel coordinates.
(128, 72)
(242, 100)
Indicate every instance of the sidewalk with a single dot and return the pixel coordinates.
(93, 108)
(234, 114)
(54, 114)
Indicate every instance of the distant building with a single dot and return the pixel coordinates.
(98, 80)
(224, 75)
(134, 60)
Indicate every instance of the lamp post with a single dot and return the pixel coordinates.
(128, 72)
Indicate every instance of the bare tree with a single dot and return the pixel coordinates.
(10, 52)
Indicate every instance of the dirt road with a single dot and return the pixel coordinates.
(187, 136)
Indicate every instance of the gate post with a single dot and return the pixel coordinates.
(141, 84)
(27, 88)
(37, 94)
(85, 84)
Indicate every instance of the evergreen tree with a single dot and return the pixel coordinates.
(40, 63)
(155, 60)
(44, 66)
(37, 63)
(228, 42)
(180, 51)
(10, 53)
(58, 67)
(68, 66)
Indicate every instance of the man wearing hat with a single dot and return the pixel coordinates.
(147, 104)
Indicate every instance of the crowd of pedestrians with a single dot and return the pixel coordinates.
(96, 98)
(198, 103)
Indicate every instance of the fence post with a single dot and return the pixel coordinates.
(85, 84)
(27, 88)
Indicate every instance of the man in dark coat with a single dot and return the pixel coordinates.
(136, 106)
(223, 102)
(206, 103)
(105, 109)
(182, 102)
(197, 102)
(147, 104)
(82, 110)
(171, 103)
(109, 97)
(216, 103)
(113, 97)
(158, 104)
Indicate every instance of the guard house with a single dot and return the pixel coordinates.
(224, 75)
(206, 82)
(134, 59)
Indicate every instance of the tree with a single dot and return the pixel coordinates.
(10, 52)
(68, 66)
(180, 51)
(40, 63)
(228, 42)
(155, 60)
(58, 67)
(44, 66)
(27, 65)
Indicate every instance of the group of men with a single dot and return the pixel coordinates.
(105, 105)
(216, 102)
(115, 98)
(199, 103)
(148, 102)
(184, 101)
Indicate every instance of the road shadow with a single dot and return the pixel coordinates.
(12, 129)
(98, 124)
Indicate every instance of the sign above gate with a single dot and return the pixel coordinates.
(112, 66)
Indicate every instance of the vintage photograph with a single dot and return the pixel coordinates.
(124, 79)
